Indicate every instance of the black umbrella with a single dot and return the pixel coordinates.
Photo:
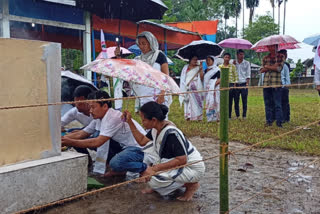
(133, 10)
(200, 49)
(69, 82)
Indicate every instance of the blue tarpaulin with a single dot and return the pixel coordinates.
(46, 10)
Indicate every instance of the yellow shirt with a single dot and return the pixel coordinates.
(233, 74)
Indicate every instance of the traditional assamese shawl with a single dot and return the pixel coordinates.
(166, 182)
(185, 80)
(149, 58)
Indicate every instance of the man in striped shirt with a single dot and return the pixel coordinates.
(233, 79)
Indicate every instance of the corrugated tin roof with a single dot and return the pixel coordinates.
(166, 27)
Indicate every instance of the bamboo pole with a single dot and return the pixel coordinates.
(224, 117)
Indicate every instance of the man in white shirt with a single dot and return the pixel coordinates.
(81, 111)
(108, 122)
(244, 73)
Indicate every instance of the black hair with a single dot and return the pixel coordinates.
(191, 56)
(226, 54)
(154, 110)
(240, 51)
(283, 51)
(82, 91)
(210, 57)
(100, 95)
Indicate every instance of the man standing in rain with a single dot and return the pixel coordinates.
(244, 72)
(272, 65)
(233, 79)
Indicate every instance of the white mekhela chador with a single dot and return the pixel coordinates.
(150, 58)
(169, 181)
(212, 97)
(193, 102)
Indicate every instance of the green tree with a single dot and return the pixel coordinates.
(178, 63)
(284, 16)
(262, 27)
(229, 32)
(297, 72)
(252, 4)
(192, 10)
(272, 2)
(231, 8)
(169, 15)
(237, 9)
(71, 59)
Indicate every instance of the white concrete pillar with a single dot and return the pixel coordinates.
(4, 21)
(87, 43)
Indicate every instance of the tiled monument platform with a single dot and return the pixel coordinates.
(33, 171)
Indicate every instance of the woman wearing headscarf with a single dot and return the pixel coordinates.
(170, 149)
(191, 80)
(151, 54)
(212, 82)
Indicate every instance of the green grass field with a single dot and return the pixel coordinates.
(305, 108)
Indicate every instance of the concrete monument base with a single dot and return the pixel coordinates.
(39, 182)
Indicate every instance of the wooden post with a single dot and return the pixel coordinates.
(224, 120)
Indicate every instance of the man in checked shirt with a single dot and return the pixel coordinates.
(271, 67)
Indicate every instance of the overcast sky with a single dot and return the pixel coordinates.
(302, 17)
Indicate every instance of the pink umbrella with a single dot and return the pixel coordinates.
(280, 40)
(280, 47)
(110, 52)
(135, 71)
(235, 43)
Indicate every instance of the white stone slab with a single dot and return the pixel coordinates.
(39, 182)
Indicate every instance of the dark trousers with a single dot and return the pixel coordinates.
(285, 104)
(233, 95)
(272, 105)
(244, 97)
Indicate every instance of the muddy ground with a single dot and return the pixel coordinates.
(299, 194)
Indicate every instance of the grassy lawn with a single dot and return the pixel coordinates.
(305, 108)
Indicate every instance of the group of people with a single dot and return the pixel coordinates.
(194, 78)
(275, 75)
(124, 146)
(154, 148)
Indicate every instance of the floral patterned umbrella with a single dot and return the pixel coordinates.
(135, 71)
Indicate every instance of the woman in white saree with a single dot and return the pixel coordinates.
(212, 82)
(171, 149)
(151, 54)
(191, 80)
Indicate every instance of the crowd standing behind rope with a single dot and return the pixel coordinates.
(123, 146)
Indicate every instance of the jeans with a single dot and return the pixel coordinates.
(233, 96)
(130, 159)
(285, 104)
(244, 97)
(272, 104)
